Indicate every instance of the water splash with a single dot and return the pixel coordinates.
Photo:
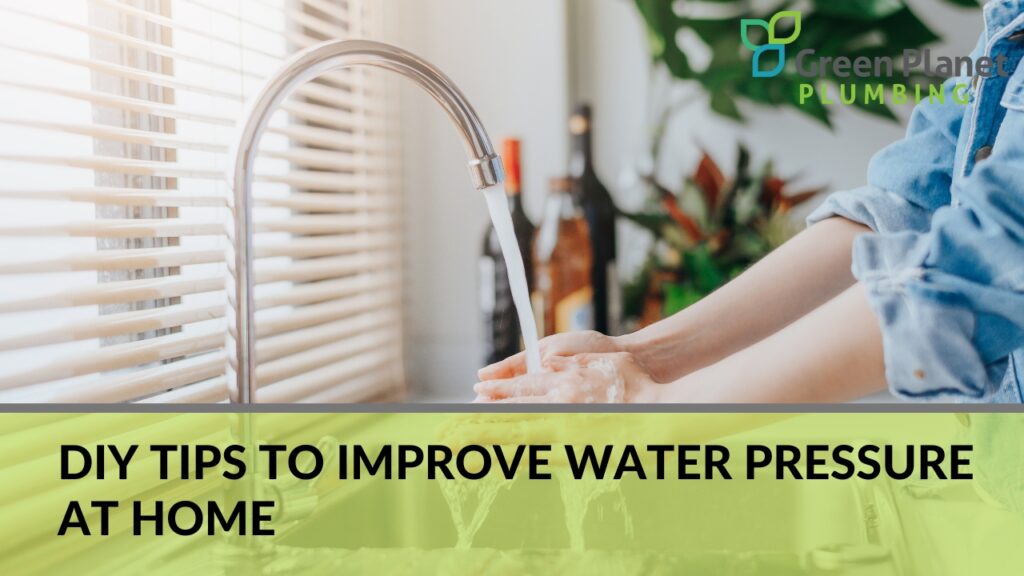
(578, 495)
(497, 205)
(469, 502)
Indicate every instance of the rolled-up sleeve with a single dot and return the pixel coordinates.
(908, 180)
(950, 300)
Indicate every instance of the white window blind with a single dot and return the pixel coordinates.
(115, 124)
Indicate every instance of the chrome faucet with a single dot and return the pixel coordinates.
(485, 169)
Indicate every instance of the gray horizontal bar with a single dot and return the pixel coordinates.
(408, 408)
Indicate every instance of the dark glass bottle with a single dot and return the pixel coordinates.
(502, 334)
(600, 213)
(563, 298)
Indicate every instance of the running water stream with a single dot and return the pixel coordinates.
(497, 205)
(469, 501)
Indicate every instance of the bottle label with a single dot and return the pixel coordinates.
(575, 312)
(487, 290)
(614, 299)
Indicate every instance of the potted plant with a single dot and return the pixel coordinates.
(709, 233)
(712, 227)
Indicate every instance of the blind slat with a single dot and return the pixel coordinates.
(126, 135)
(321, 379)
(330, 139)
(125, 72)
(122, 102)
(288, 367)
(326, 290)
(326, 181)
(313, 158)
(116, 357)
(137, 384)
(301, 201)
(318, 314)
(118, 165)
(162, 348)
(179, 26)
(284, 345)
(117, 228)
(333, 10)
(206, 392)
(109, 325)
(107, 260)
(325, 245)
(145, 258)
(376, 384)
(121, 197)
(114, 293)
(138, 290)
(321, 268)
(323, 181)
(123, 294)
(318, 91)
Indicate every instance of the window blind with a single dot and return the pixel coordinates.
(114, 132)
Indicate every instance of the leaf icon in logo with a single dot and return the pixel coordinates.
(773, 26)
(745, 25)
(780, 49)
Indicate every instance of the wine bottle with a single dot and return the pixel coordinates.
(600, 213)
(563, 300)
(502, 334)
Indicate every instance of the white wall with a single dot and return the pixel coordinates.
(510, 59)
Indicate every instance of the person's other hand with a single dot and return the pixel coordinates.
(558, 345)
(610, 378)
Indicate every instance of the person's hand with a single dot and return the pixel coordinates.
(584, 379)
(558, 345)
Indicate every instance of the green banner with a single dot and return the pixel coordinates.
(932, 494)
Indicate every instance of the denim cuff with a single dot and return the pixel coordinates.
(927, 331)
(880, 210)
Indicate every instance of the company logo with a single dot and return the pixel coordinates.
(880, 80)
(775, 44)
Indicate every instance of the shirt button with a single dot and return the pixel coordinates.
(983, 153)
(965, 419)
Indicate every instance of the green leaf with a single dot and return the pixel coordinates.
(704, 270)
(679, 297)
(662, 25)
(812, 107)
(725, 104)
(859, 9)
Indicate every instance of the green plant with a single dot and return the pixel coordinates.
(710, 232)
(851, 28)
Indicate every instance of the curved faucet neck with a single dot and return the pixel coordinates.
(484, 165)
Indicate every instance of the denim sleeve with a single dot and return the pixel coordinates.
(908, 180)
(951, 300)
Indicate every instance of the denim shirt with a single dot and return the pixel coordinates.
(944, 266)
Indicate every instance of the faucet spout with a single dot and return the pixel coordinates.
(485, 170)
